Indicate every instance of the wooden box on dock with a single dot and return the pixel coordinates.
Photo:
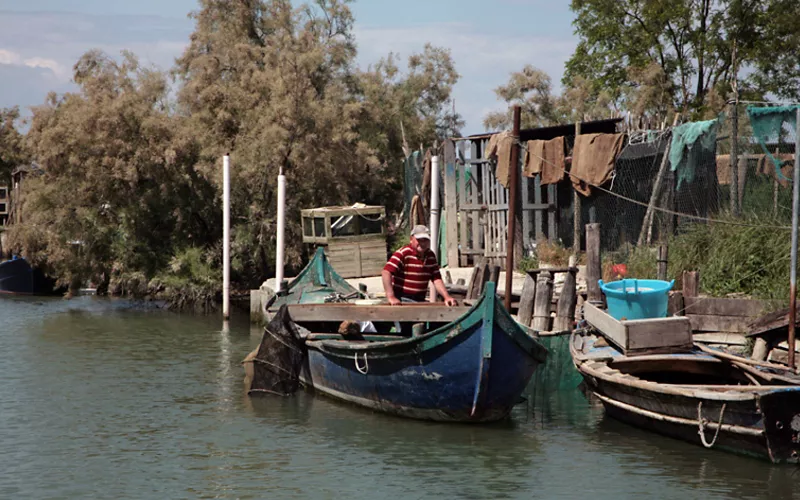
(354, 237)
(642, 336)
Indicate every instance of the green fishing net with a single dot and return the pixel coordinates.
(690, 143)
(768, 123)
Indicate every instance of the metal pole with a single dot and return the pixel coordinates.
(434, 214)
(226, 236)
(513, 183)
(795, 217)
(279, 248)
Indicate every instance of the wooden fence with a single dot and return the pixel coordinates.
(476, 207)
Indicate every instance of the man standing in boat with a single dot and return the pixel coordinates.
(410, 269)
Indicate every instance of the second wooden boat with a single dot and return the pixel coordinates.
(689, 393)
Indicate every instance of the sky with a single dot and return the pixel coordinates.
(40, 40)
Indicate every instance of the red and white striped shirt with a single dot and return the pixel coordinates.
(411, 274)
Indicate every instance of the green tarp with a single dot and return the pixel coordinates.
(768, 122)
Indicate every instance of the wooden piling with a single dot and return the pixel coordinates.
(593, 263)
(567, 301)
(525, 312)
(541, 307)
(662, 262)
(691, 283)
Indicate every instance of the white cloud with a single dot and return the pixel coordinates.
(51, 43)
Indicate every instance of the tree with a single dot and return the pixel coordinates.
(119, 195)
(690, 41)
(276, 86)
(532, 90)
(12, 147)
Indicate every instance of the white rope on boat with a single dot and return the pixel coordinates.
(701, 425)
(364, 370)
(736, 429)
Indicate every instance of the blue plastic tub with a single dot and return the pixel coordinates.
(637, 299)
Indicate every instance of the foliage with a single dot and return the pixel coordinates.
(526, 264)
(691, 43)
(532, 90)
(552, 253)
(120, 189)
(276, 86)
(191, 281)
(731, 259)
(12, 147)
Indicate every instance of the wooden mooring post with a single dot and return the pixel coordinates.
(542, 301)
(662, 262)
(594, 269)
(567, 301)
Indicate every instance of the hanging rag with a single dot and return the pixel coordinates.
(768, 123)
(500, 147)
(593, 158)
(724, 170)
(691, 143)
(545, 158)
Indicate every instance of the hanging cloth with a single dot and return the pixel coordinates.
(499, 147)
(691, 142)
(768, 122)
(545, 158)
(593, 158)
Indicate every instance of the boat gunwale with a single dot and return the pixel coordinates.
(707, 392)
(440, 336)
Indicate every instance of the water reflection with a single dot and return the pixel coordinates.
(106, 400)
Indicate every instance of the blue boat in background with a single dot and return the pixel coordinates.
(17, 277)
(461, 365)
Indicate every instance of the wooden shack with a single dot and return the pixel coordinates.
(5, 205)
(354, 237)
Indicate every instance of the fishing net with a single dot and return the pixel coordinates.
(768, 124)
(277, 363)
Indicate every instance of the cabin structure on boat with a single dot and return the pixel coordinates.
(354, 237)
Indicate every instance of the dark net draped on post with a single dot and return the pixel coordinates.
(277, 364)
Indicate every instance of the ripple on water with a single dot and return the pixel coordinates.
(104, 399)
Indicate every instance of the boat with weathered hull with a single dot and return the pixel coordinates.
(470, 370)
(461, 364)
(695, 396)
(16, 277)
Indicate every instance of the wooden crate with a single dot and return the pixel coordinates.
(354, 237)
(357, 259)
(642, 336)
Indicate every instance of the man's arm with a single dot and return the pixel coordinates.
(439, 285)
(386, 278)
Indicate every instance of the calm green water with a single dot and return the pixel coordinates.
(101, 399)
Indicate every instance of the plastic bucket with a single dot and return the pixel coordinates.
(637, 299)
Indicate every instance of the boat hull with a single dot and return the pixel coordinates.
(762, 421)
(451, 382)
(16, 277)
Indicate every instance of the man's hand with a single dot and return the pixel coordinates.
(450, 301)
(394, 301)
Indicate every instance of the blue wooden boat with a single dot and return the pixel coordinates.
(18, 277)
(464, 364)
